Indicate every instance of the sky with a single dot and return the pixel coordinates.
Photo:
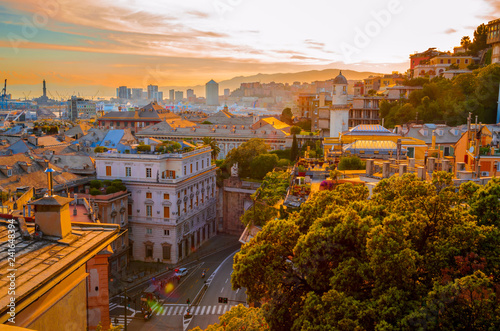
(91, 45)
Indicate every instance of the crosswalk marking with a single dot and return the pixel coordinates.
(203, 310)
(220, 309)
(176, 309)
(197, 310)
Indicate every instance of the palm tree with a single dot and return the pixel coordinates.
(213, 144)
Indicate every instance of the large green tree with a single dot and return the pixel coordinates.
(244, 154)
(417, 255)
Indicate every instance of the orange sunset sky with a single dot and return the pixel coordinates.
(90, 45)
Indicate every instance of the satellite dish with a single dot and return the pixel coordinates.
(471, 149)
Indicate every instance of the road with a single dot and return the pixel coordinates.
(169, 313)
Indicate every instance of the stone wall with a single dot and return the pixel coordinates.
(236, 199)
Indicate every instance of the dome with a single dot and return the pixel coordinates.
(340, 79)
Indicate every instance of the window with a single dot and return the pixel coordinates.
(191, 168)
(178, 195)
(130, 209)
(122, 220)
(196, 165)
(166, 232)
(149, 251)
(108, 170)
(149, 210)
(191, 204)
(166, 212)
(185, 206)
(166, 196)
(126, 124)
(202, 164)
(149, 231)
(184, 170)
(458, 61)
(128, 171)
(149, 195)
(148, 172)
(179, 210)
(466, 61)
(166, 252)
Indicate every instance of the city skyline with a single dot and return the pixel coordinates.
(110, 44)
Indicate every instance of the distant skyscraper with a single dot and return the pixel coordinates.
(137, 93)
(212, 93)
(189, 93)
(171, 95)
(123, 92)
(44, 90)
(159, 96)
(179, 95)
(227, 92)
(152, 90)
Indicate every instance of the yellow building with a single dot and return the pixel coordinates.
(415, 148)
(461, 61)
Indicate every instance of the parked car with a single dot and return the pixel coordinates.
(181, 272)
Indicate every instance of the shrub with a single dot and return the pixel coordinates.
(106, 182)
(144, 148)
(100, 149)
(351, 163)
(112, 189)
(97, 184)
(94, 191)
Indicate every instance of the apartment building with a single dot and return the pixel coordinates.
(172, 207)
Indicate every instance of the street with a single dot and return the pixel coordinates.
(168, 313)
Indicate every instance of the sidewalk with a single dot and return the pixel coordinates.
(139, 272)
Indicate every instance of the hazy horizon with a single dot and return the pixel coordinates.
(100, 45)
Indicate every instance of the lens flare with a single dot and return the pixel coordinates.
(169, 287)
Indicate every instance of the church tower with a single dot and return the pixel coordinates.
(339, 113)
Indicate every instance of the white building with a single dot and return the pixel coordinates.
(339, 111)
(172, 207)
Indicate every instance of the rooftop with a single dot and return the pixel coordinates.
(40, 263)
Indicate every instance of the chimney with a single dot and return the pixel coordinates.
(52, 216)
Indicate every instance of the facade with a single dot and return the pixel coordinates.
(123, 92)
(236, 200)
(212, 93)
(136, 93)
(179, 96)
(152, 91)
(227, 136)
(80, 107)
(171, 95)
(422, 58)
(438, 65)
(136, 120)
(113, 209)
(172, 207)
(494, 39)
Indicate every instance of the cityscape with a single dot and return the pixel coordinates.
(234, 165)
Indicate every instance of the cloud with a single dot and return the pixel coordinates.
(450, 31)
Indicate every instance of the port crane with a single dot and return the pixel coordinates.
(3, 96)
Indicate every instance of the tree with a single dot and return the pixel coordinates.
(262, 164)
(214, 145)
(412, 257)
(295, 129)
(287, 116)
(480, 39)
(239, 318)
(295, 149)
(465, 42)
(244, 155)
